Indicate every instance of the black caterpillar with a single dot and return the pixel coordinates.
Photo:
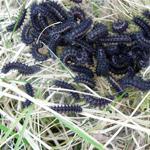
(119, 26)
(68, 55)
(17, 24)
(78, 13)
(143, 24)
(99, 30)
(136, 82)
(143, 40)
(26, 35)
(53, 43)
(67, 108)
(146, 13)
(82, 70)
(102, 63)
(115, 85)
(82, 57)
(36, 54)
(98, 102)
(85, 80)
(22, 68)
(29, 91)
(77, 1)
(56, 10)
(66, 85)
(79, 31)
(112, 50)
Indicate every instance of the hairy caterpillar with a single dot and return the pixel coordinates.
(22, 68)
(66, 85)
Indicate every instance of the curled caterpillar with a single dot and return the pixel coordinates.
(69, 55)
(67, 108)
(29, 91)
(22, 68)
(36, 54)
(85, 80)
(99, 30)
(122, 38)
(78, 13)
(112, 50)
(82, 57)
(79, 31)
(120, 26)
(142, 39)
(143, 24)
(98, 101)
(66, 85)
(102, 63)
(82, 70)
(26, 35)
(17, 24)
(120, 61)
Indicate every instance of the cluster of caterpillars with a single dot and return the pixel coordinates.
(87, 48)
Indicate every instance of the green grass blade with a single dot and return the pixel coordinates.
(23, 128)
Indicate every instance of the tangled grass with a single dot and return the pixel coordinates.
(124, 124)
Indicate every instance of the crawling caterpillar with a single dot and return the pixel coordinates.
(66, 85)
(98, 101)
(29, 91)
(79, 31)
(67, 108)
(85, 80)
(22, 68)
(102, 67)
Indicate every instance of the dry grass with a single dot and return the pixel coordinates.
(125, 124)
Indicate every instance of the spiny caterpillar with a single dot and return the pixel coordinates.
(143, 24)
(82, 70)
(79, 31)
(68, 55)
(67, 108)
(102, 63)
(21, 67)
(99, 30)
(98, 102)
(85, 80)
(26, 35)
(66, 85)
(136, 82)
(36, 54)
(120, 26)
(78, 13)
(29, 91)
